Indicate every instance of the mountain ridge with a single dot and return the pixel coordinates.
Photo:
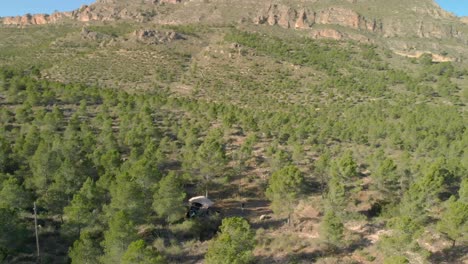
(419, 26)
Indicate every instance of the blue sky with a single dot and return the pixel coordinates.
(20, 7)
(459, 7)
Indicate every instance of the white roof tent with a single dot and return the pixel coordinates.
(201, 201)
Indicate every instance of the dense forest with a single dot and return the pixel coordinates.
(111, 169)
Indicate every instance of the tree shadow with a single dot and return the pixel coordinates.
(450, 255)
(269, 224)
(301, 257)
(184, 258)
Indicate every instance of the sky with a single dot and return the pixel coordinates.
(21, 7)
(458, 7)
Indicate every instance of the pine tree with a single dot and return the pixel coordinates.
(332, 229)
(386, 179)
(120, 234)
(128, 196)
(284, 188)
(44, 164)
(13, 195)
(13, 233)
(336, 196)
(169, 198)
(233, 245)
(85, 250)
(80, 212)
(6, 161)
(345, 167)
(138, 253)
(211, 158)
(404, 236)
(454, 221)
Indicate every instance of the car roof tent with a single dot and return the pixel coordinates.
(205, 202)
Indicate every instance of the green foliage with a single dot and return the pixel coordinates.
(284, 188)
(424, 193)
(6, 161)
(234, 243)
(463, 191)
(168, 200)
(44, 164)
(211, 157)
(332, 229)
(138, 253)
(13, 233)
(128, 196)
(396, 260)
(116, 30)
(336, 195)
(386, 179)
(404, 237)
(13, 195)
(345, 167)
(85, 249)
(117, 238)
(454, 221)
(91, 152)
(83, 208)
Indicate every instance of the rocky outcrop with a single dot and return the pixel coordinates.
(103, 10)
(39, 19)
(464, 20)
(337, 35)
(287, 17)
(92, 35)
(327, 33)
(153, 37)
(421, 29)
(306, 19)
(418, 54)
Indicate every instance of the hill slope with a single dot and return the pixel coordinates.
(346, 121)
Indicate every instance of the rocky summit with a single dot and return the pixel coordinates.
(406, 27)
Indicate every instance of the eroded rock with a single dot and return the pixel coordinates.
(150, 36)
(287, 17)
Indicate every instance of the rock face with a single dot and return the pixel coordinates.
(359, 20)
(104, 10)
(304, 18)
(154, 37)
(327, 33)
(91, 35)
(39, 19)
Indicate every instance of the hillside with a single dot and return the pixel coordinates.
(409, 27)
(337, 129)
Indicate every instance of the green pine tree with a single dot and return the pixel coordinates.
(169, 198)
(138, 253)
(120, 234)
(284, 188)
(332, 229)
(85, 250)
(233, 245)
(454, 220)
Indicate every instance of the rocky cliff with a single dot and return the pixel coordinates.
(305, 18)
(102, 10)
(39, 19)
(399, 24)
